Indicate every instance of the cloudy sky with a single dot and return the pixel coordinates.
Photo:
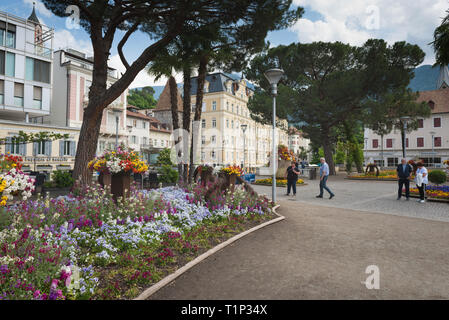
(348, 21)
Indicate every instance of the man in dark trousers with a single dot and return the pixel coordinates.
(292, 177)
(404, 171)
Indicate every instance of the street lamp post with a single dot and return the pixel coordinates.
(117, 114)
(273, 76)
(404, 127)
(244, 126)
(366, 150)
(433, 147)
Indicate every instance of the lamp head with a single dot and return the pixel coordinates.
(274, 75)
(244, 126)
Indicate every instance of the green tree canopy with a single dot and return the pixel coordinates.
(441, 41)
(326, 84)
(142, 99)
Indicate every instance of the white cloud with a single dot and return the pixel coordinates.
(65, 39)
(353, 21)
(142, 79)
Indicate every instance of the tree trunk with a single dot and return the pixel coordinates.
(100, 96)
(187, 73)
(327, 148)
(202, 72)
(174, 115)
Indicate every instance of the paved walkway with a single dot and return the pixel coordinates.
(322, 249)
(370, 196)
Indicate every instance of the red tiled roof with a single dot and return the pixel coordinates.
(439, 97)
(139, 115)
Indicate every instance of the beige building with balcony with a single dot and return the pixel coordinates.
(222, 140)
(224, 115)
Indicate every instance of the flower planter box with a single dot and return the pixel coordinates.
(120, 185)
(104, 179)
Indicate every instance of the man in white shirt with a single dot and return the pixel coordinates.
(425, 180)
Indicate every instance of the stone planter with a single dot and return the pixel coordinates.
(104, 179)
(120, 185)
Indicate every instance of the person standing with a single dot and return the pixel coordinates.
(292, 177)
(422, 180)
(404, 171)
(324, 174)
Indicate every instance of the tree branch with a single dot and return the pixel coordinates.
(123, 41)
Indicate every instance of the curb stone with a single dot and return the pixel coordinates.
(171, 277)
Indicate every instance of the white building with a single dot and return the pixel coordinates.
(297, 143)
(25, 68)
(430, 142)
(72, 75)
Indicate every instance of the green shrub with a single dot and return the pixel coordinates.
(164, 157)
(437, 176)
(62, 179)
(168, 174)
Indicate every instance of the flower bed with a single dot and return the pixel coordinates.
(279, 182)
(84, 246)
(433, 192)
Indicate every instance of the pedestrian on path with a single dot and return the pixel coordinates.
(292, 177)
(421, 180)
(404, 171)
(324, 174)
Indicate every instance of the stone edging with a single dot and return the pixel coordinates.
(168, 279)
(370, 179)
(269, 185)
(427, 198)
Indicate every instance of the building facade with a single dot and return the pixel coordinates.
(26, 87)
(72, 74)
(298, 143)
(229, 136)
(25, 68)
(430, 142)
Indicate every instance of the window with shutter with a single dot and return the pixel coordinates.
(61, 148)
(420, 142)
(389, 143)
(420, 123)
(375, 143)
(436, 122)
(37, 97)
(18, 94)
(72, 148)
(2, 62)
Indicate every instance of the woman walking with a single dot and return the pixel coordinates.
(421, 181)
